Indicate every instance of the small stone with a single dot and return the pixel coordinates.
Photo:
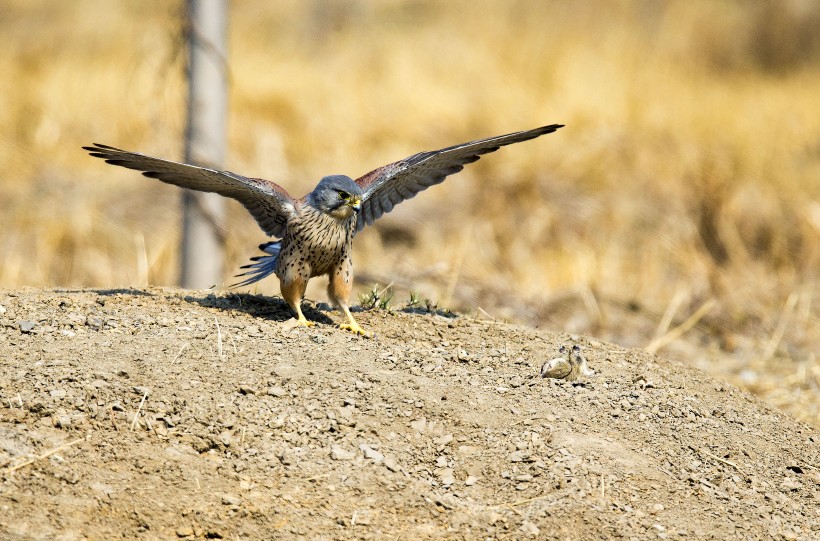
(226, 438)
(57, 393)
(246, 389)
(62, 421)
(287, 457)
(520, 456)
(337, 452)
(444, 440)
(530, 529)
(276, 391)
(657, 508)
(471, 480)
(391, 464)
(371, 453)
(790, 485)
(419, 425)
(446, 477)
(492, 517)
(26, 326)
(95, 322)
(185, 531)
(290, 324)
(231, 499)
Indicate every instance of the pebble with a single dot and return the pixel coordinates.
(519, 456)
(471, 480)
(530, 529)
(276, 391)
(371, 453)
(185, 531)
(338, 452)
(26, 326)
(446, 477)
(95, 322)
(444, 440)
(57, 393)
(391, 464)
(226, 438)
(231, 499)
(419, 425)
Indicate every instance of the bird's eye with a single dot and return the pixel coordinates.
(344, 195)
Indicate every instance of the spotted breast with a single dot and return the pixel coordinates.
(316, 243)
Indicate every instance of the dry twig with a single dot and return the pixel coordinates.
(44, 455)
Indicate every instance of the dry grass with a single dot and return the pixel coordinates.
(689, 169)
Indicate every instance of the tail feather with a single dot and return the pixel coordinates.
(263, 265)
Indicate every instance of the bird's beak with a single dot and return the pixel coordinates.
(356, 204)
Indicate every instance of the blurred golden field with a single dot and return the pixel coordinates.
(679, 209)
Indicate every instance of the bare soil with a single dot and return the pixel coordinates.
(167, 414)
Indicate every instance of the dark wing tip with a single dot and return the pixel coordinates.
(99, 150)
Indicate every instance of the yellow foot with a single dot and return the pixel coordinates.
(355, 329)
(302, 322)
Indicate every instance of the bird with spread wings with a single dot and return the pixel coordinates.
(315, 233)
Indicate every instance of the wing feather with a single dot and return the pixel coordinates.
(267, 202)
(391, 184)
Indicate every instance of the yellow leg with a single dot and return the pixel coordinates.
(301, 320)
(338, 290)
(351, 324)
(292, 293)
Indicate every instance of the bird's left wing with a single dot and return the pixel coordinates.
(388, 186)
(267, 202)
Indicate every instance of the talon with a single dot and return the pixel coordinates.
(303, 322)
(355, 329)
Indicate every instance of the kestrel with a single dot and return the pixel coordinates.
(316, 231)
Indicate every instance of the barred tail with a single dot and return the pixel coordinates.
(263, 265)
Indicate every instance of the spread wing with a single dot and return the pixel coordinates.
(388, 186)
(267, 202)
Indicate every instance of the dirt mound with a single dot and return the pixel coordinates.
(161, 414)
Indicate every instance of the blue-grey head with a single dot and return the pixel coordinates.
(337, 195)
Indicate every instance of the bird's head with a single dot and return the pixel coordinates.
(337, 195)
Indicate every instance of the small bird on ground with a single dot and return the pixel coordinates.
(316, 231)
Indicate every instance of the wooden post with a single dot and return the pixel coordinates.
(203, 213)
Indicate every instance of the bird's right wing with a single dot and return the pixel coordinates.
(391, 184)
(267, 202)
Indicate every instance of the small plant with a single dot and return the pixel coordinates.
(377, 298)
(415, 299)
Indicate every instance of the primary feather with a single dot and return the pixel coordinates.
(387, 186)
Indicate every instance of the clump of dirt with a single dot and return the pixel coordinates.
(170, 414)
